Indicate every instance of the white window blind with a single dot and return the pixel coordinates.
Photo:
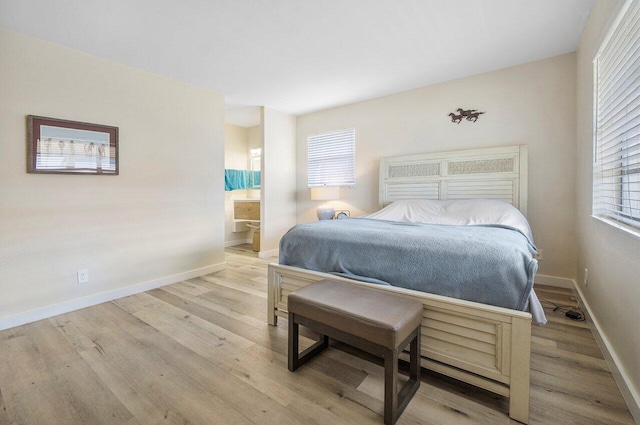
(616, 190)
(332, 158)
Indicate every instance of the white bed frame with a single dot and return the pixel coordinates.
(486, 346)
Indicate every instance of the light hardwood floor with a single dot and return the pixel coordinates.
(200, 352)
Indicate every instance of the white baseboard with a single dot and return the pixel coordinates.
(630, 394)
(558, 282)
(227, 244)
(78, 303)
(270, 253)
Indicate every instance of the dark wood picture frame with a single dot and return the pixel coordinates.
(56, 146)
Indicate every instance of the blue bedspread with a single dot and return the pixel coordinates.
(487, 264)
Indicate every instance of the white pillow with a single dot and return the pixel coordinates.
(455, 212)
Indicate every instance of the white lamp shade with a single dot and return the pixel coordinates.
(325, 193)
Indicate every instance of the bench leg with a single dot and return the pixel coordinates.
(391, 387)
(395, 402)
(414, 357)
(298, 359)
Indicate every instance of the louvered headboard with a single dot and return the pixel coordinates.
(489, 173)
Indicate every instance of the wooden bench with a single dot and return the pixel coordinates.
(378, 323)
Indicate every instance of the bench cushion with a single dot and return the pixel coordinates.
(375, 316)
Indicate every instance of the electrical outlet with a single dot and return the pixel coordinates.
(83, 276)
(586, 276)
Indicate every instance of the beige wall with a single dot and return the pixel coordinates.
(278, 191)
(236, 147)
(161, 217)
(612, 256)
(254, 137)
(532, 104)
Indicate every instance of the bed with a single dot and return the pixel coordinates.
(484, 345)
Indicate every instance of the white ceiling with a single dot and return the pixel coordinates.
(242, 115)
(301, 56)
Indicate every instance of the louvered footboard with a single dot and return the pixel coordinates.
(486, 346)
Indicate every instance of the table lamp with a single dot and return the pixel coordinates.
(325, 193)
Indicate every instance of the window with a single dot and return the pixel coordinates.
(332, 158)
(616, 183)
